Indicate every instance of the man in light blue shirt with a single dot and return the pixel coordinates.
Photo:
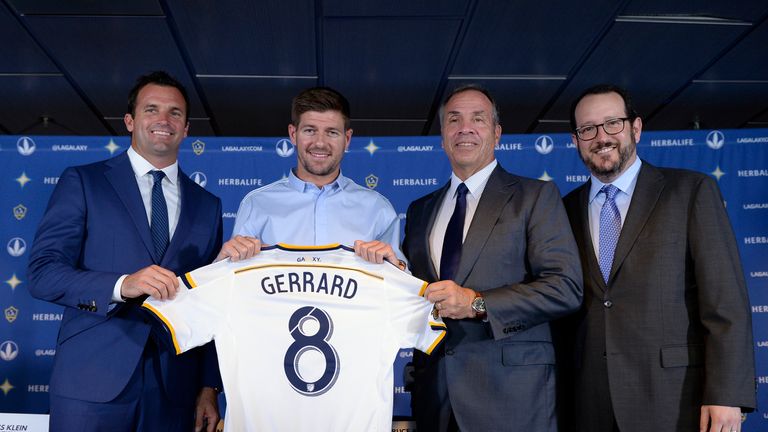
(316, 204)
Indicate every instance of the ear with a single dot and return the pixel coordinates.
(128, 120)
(497, 133)
(292, 133)
(186, 130)
(347, 138)
(637, 128)
(575, 140)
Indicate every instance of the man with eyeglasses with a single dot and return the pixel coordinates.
(664, 339)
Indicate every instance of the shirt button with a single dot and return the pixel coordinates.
(608, 303)
(449, 352)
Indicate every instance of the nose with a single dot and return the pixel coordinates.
(465, 127)
(601, 134)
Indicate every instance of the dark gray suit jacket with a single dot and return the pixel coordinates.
(672, 328)
(520, 252)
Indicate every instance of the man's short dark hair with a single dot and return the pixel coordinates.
(629, 108)
(320, 99)
(160, 78)
(470, 87)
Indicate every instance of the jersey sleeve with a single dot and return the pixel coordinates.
(411, 313)
(192, 317)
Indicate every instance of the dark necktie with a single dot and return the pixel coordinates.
(610, 228)
(454, 236)
(159, 219)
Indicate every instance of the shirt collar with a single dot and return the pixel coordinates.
(475, 182)
(300, 185)
(142, 167)
(625, 182)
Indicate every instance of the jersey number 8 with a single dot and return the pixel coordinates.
(311, 329)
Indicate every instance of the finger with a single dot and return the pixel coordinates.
(198, 419)
(168, 277)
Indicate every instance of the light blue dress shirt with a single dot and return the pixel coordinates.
(295, 212)
(626, 184)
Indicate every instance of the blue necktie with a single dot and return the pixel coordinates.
(159, 219)
(454, 236)
(610, 228)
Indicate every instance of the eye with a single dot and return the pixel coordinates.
(587, 130)
(308, 131)
(334, 134)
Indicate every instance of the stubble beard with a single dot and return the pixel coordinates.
(612, 171)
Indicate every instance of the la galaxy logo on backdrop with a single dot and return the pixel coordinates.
(16, 247)
(26, 146)
(19, 212)
(9, 350)
(544, 144)
(715, 139)
(284, 148)
(11, 313)
(199, 178)
(198, 147)
(371, 181)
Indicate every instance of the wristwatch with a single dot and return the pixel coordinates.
(478, 305)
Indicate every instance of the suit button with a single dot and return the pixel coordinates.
(449, 352)
(607, 303)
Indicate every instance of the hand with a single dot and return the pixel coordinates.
(451, 300)
(239, 248)
(154, 280)
(206, 410)
(377, 252)
(717, 418)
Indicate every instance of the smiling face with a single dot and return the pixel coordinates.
(469, 132)
(320, 141)
(158, 124)
(606, 156)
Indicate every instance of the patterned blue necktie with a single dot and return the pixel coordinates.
(159, 218)
(454, 236)
(610, 228)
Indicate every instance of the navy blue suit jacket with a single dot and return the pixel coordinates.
(94, 230)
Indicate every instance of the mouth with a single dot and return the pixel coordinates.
(319, 154)
(465, 144)
(604, 149)
(161, 133)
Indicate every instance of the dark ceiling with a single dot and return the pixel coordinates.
(66, 66)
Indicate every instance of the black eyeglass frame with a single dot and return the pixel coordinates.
(577, 131)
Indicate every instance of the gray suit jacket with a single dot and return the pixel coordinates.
(672, 328)
(520, 252)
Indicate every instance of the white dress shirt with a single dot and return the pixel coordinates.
(475, 184)
(142, 169)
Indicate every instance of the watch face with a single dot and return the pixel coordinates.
(478, 305)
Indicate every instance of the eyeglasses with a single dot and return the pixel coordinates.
(611, 127)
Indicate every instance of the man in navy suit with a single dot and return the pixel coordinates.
(95, 253)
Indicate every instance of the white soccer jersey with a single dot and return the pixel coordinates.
(306, 336)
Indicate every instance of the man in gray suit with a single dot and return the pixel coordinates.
(507, 262)
(665, 337)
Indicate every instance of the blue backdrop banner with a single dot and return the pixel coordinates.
(401, 168)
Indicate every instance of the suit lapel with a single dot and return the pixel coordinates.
(187, 198)
(584, 237)
(650, 183)
(123, 181)
(496, 194)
